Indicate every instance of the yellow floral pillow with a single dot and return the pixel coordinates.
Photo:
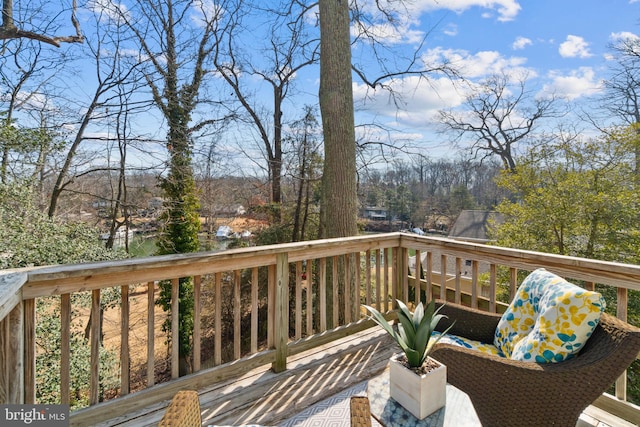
(549, 320)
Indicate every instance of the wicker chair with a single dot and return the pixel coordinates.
(183, 411)
(511, 393)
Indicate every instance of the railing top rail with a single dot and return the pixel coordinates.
(605, 272)
(10, 286)
(55, 280)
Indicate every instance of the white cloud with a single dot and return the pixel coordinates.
(476, 65)
(521, 43)
(389, 33)
(507, 10)
(573, 47)
(415, 102)
(580, 82)
(623, 35)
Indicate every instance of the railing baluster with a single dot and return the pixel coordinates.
(95, 347)
(474, 283)
(493, 277)
(621, 313)
(348, 287)
(65, 348)
(151, 333)
(417, 274)
(309, 281)
(355, 314)
(513, 282)
(124, 341)
(367, 277)
(334, 291)
(197, 322)
(29, 351)
(237, 314)
(386, 278)
(429, 290)
(298, 302)
(443, 277)
(254, 310)
(378, 281)
(175, 328)
(322, 285)
(217, 346)
(458, 297)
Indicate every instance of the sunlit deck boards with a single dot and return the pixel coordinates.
(266, 398)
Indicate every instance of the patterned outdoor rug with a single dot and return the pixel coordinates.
(331, 412)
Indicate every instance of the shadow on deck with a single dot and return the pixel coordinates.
(264, 397)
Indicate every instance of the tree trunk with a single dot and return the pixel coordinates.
(339, 199)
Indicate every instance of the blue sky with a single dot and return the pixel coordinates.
(561, 45)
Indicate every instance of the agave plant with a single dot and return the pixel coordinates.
(415, 334)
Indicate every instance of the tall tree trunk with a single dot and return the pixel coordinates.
(339, 198)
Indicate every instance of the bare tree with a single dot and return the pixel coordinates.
(289, 49)
(12, 30)
(497, 115)
(622, 97)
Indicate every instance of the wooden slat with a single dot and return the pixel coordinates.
(474, 283)
(281, 321)
(124, 340)
(65, 348)
(254, 310)
(358, 288)
(335, 291)
(417, 274)
(348, 287)
(16, 350)
(322, 291)
(513, 282)
(237, 315)
(404, 273)
(298, 301)
(443, 277)
(493, 278)
(29, 351)
(428, 277)
(309, 276)
(5, 368)
(217, 346)
(197, 322)
(622, 313)
(271, 314)
(385, 301)
(458, 273)
(175, 328)
(394, 277)
(95, 348)
(151, 333)
(367, 277)
(378, 281)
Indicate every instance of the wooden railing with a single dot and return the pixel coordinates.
(252, 306)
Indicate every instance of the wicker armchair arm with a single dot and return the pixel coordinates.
(469, 323)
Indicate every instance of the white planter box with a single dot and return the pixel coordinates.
(420, 395)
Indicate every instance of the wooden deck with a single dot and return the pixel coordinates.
(264, 397)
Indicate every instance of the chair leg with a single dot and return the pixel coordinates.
(360, 411)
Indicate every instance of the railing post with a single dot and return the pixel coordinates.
(11, 365)
(281, 311)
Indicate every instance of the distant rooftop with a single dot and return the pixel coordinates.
(472, 225)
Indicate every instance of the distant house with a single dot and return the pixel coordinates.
(472, 225)
(229, 211)
(374, 213)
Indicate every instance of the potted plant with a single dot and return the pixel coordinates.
(417, 382)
